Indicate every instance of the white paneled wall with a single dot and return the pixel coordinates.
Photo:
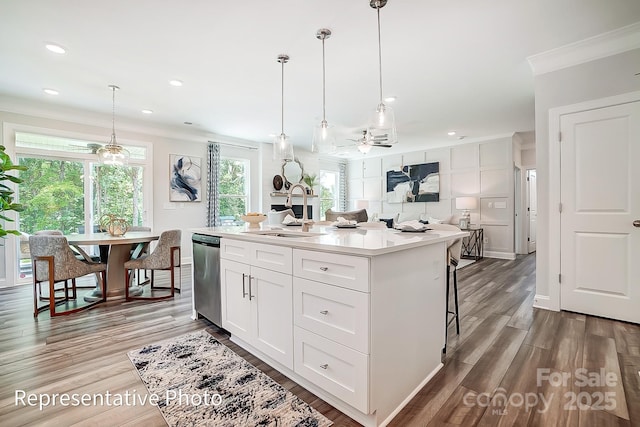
(481, 169)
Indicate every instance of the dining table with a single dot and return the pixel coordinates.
(117, 250)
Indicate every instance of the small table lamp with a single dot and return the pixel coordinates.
(465, 204)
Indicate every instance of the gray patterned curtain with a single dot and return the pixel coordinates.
(213, 182)
(343, 197)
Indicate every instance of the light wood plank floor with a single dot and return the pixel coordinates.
(503, 343)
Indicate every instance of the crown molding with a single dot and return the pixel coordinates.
(596, 47)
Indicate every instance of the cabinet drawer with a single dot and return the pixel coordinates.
(275, 258)
(337, 369)
(348, 271)
(340, 314)
(235, 250)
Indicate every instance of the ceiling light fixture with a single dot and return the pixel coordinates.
(50, 91)
(364, 148)
(324, 141)
(176, 83)
(282, 148)
(113, 154)
(390, 99)
(55, 48)
(451, 133)
(382, 125)
(147, 111)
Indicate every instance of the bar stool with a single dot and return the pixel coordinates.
(453, 258)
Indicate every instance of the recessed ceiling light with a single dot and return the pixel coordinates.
(51, 91)
(272, 135)
(55, 48)
(147, 111)
(176, 83)
(451, 133)
(390, 99)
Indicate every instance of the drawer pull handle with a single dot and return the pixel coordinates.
(325, 312)
(325, 366)
(244, 292)
(324, 268)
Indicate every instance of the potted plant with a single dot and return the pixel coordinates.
(310, 180)
(6, 193)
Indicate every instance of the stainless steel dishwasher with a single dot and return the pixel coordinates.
(206, 277)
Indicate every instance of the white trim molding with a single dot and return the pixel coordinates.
(596, 47)
(500, 255)
(543, 302)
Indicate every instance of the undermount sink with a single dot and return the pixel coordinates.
(281, 233)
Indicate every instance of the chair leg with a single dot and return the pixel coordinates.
(126, 284)
(52, 296)
(35, 294)
(455, 296)
(446, 313)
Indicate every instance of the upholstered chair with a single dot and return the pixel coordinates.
(53, 262)
(359, 215)
(453, 258)
(140, 249)
(165, 256)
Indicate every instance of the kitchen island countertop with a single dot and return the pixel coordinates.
(355, 241)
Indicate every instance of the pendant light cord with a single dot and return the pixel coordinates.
(379, 53)
(324, 119)
(282, 105)
(113, 114)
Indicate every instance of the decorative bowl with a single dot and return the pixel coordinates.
(253, 220)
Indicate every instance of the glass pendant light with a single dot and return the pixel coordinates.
(324, 141)
(113, 154)
(282, 148)
(382, 125)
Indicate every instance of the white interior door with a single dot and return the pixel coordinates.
(600, 194)
(532, 210)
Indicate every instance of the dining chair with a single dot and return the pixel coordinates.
(453, 258)
(359, 215)
(138, 250)
(165, 256)
(53, 261)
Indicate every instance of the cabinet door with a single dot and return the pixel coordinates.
(272, 314)
(236, 307)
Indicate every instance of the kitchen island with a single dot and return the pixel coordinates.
(356, 316)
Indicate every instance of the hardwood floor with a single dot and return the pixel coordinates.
(506, 349)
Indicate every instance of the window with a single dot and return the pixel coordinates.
(328, 191)
(66, 189)
(234, 190)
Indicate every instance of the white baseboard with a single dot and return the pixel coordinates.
(543, 302)
(500, 255)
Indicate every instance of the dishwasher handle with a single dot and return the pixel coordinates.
(205, 240)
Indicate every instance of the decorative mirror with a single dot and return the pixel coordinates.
(292, 171)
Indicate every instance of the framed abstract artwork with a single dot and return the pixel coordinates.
(185, 181)
(414, 183)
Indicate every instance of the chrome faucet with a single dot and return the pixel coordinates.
(288, 204)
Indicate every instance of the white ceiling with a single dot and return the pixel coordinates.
(452, 64)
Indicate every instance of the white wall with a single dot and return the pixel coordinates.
(596, 79)
(481, 169)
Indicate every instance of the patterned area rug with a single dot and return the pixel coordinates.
(199, 381)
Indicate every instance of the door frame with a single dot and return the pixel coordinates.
(528, 209)
(555, 251)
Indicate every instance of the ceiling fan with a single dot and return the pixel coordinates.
(89, 148)
(366, 141)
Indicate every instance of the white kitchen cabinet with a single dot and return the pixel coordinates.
(257, 308)
(236, 308)
(363, 332)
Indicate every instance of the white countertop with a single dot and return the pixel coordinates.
(358, 241)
